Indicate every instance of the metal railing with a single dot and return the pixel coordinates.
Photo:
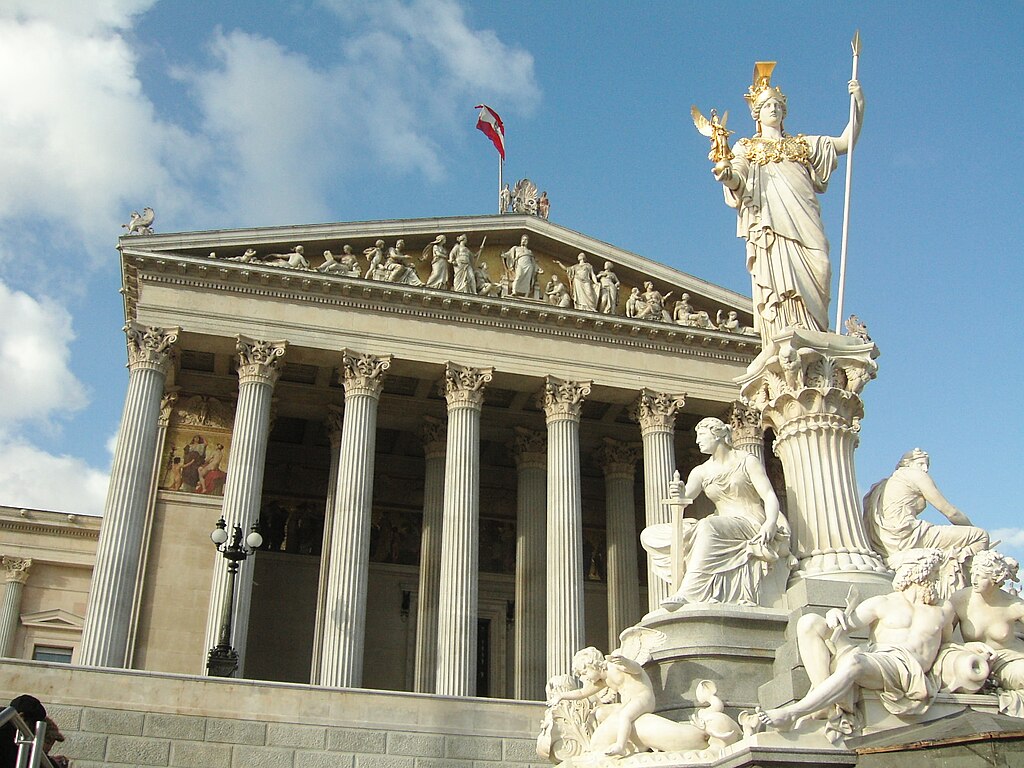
(30, 745)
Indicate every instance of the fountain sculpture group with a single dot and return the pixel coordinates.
(892, 620)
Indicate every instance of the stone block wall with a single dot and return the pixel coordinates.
(127, 718)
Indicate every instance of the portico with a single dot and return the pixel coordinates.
(449, 485)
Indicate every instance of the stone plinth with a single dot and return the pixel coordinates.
(732, 645)
(807, 387)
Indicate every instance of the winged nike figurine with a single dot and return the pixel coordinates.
(716, 131)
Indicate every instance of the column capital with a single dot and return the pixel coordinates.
(463, 385)
(617, 457)
(16, 568)
(656, 411)
(259, 361)
(363, 374)
(530, 448)
(435, 435)
(150, 348)
(167, 403)
(333, 423)
(563, 400)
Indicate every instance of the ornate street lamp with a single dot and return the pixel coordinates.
(222, 660)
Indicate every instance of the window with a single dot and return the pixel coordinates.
(52, 653)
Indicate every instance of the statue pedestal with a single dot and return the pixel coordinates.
(807, 386)
(732, 645)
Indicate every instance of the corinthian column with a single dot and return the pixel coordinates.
(15, 575)
(809, 394)
(259, 365)
(430, 555)
(656, 412)
(119, 551)
(333, 424)
(618, 460)
(344, 630)
(747, 432)
(529, 449)
(563, 401)
(460, 533)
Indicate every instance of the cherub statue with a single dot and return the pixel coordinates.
(140, 224)
(629, 724)
(715, 131)
(375, 256)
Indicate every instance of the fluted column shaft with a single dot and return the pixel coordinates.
(259, 365)
(460, 533)
(530, 453)
(434, 444)
(563, 401)
(16, 570)
(656, 412)
(618, 460)
(119, 551)
(344, 630)
(333, 424)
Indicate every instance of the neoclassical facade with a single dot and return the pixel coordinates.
(449, 459)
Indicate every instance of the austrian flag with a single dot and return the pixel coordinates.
(489, 122)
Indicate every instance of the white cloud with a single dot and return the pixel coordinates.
(36, 378)
(32, 478)
(1011, 539)
(78, 137)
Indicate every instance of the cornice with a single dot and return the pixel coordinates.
(28, 526)
(312, 287)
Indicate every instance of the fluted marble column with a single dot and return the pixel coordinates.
(618, 461)
(119, 551)
(529, 449)
(747, 431)
(656, 412)
(16, 571)
(434, 444)
(563, 401)
(333, 424)
(808, 392)
(460, 532)
(344, 630)
(259, 365)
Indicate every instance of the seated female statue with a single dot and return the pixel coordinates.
(726, 555)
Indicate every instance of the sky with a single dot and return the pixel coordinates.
(277, 112)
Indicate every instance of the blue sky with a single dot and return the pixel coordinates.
(301, 112)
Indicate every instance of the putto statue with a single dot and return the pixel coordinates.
(612, 714)
(140, 224)
(724, 557)
(773, 181)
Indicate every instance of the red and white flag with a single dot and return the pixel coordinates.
(490, 123)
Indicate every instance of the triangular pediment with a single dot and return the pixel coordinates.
(551, 243)
(56, 618)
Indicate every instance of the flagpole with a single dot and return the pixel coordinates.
(855, 43)
(501, 165)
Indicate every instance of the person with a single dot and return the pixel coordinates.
(582, 283)
(652, 304)
(773, 182)
(616, 674)
(988, 614)
(461, 258)
(543, 205)
(519, 260)
(608, 292)
(32, 711)
(212, 473)
(906, 629)
(440, 269)
(505, 200)
(195, 457)
(295, 259)
(725, 555)
(347, 265)
(892, 505)
(633, 302)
